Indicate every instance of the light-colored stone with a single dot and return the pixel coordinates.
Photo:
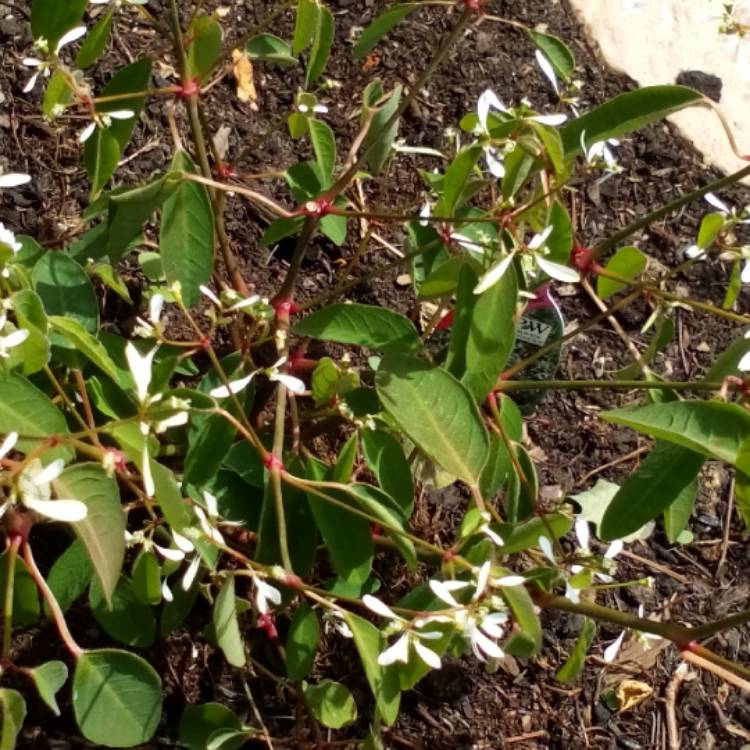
(652, 41)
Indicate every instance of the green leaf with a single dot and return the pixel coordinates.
(658, 482)
(522, 536)
(560, 241)
(186, 233)
(27, 410)
(50, 19)
(523, 486)
(334, 227)
(711, 428)
(362, 325)
(324, 146)
(12, 714)
(347, 538)
(305, 22)
(199, 722)
(437, 413)
(528, 641)
(65, 289)
(29, 311)
(229, 739)
(70, 575)
(628, 262)
(492, 333)
(556, 51)
(496, 469)
(85, 343)
(111, 279)
(677, 515)
(331, 702)
(270, 48)
(129, 210)
(455, 180)
(727, 363)
(742, 496)
(103, 530)
(146, 574)
(48, 679)
(627, 112)
(226, 626)
(95, 41)
(376, 30)
(57, 94)
(204, 50)
(101, 158)
(301, 642)
(281, 228)
(126, 618)
(711, 225)
(110, 684)
(378, 142)
(574, 664)
(208, 448)
(321, 47)
(383, 681)
(385, 457)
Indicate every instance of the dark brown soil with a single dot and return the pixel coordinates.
(462, 707)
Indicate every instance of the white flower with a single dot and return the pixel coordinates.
(494, 274)
(599, 153)
(488, 101)
(151, 328)
(69, 37)
(8, 444)
(16, 338)
(399, 651)
(8, 239)
(612, 650)
(104, 120)
(743, 365)
(548, 70)
(274, 374)
(546, 546)
(318, 109)
(13, 179)
(553, 119)
(140, 366)
(553, 270)
(265, 593)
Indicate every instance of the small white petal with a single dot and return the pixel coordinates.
(547, 69)
(441, 592)
(49, 473)
(320, 109)
(492, 536)
(140, 368)
(694, 252)
(295, 385)
(614, 549)
(378, 607)
(87, 132)
(539, 239)
(428, 656)
(170, 554)
(13, 179)
(31, 83)
(15, 338)
(69, 37)
(488, 99)
(583, 533)
(510, 581)
(8, 444)
(612, 650)
(303, 108)
(148, 478)
(553, 120)
(234, 386)
(717, 203)
(209, 293)
(121, 114)
(166, 592)
(485, 644)
(495, 165)
(58, 510)
(399, 651)
(182, 542)
(265, 593)
(558, 271)
(31, 62)
(572, 594)
(212, 506)
(494, 274)
(467, 243)
(744, 364)
(546, 546)
(190, 573)
(247, 302)
(155, 307)
(482, 579)
(745, 275)
(176, 420)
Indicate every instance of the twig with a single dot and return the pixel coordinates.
(683, 673)
(727, 530)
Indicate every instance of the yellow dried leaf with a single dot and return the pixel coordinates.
(630, 693)
(243, 75)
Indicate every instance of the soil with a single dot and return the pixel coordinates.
(520, 706)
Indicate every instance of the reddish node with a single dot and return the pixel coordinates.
(691, 646)
(473, 5)
(444, 232)
(188, 89)
(17, 526)
(117, 459)
(285, 307)
(272, 463)
(375, 530)
(204, 343)
(582, 261)
(448, 555)
(445, 322)
(224, 171)
(319, 207)
(292, 581)
(267, 623)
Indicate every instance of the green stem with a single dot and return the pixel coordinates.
(10, 576)
(701, 632)
(275, 471)
(524, 385)
(605, 245)
(308, 230)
